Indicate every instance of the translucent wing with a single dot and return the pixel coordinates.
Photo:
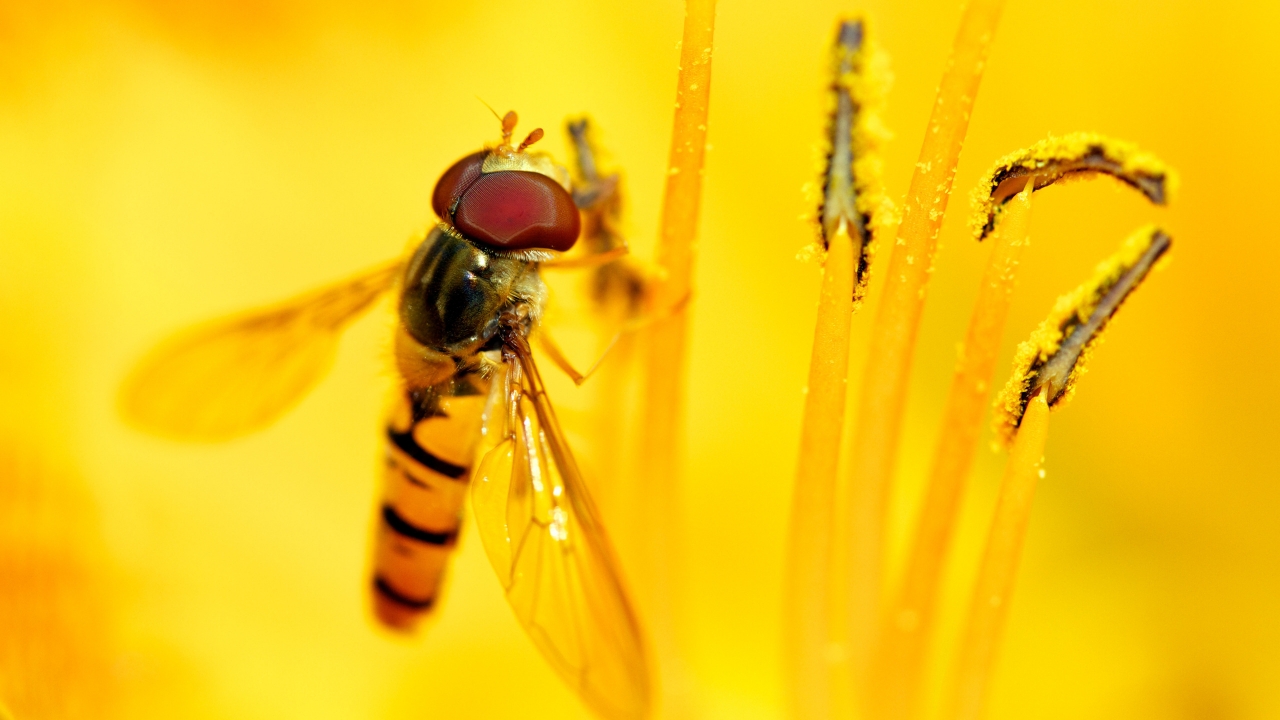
(543, 536)
(238, 374)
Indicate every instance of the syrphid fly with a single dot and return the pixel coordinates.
(470, 297)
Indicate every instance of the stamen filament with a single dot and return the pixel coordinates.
(906, 627)
(809, 551)
(873, 449)
(666, 358)
(990, 605)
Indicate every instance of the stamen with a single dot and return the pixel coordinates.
(596, 195)
(1054, 357)
(579, 132)
(666, 359)
(853, 192)
(906, 629)
(873, 445)
(993, 589)
(850, 190)
(1044, 371)
(1053, 159)
(616, 288)
(898, 664)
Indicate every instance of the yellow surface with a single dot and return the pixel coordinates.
(161, 166)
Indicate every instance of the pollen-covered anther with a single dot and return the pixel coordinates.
(852, 187)
(1053, 358)
(1075, 155)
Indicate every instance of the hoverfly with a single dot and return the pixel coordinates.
(470, 296)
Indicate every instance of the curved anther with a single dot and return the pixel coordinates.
(1053, 358)
(1074, 155)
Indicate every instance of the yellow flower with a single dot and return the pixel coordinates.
(164, 163)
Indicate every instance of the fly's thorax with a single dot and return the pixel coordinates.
(457, 294)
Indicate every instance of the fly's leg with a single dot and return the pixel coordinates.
(557, 356)
(617, 298)
(619, 286)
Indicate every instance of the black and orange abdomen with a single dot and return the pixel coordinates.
(431, 440)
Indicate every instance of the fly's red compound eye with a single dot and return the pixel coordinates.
(516, 210)
(455, 181)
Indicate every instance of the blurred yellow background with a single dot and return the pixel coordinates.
(161, 163)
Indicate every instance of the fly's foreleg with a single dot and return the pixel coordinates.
(557, 356)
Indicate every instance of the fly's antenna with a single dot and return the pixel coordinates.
(533, 137)
(509, 126)
(495, 112)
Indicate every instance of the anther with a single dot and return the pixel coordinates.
(1053, 358)
(1055, 158)
(851, 191)
(578, 131)
(839, 197)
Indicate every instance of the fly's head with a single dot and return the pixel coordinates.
(474, 281)
(507, 199)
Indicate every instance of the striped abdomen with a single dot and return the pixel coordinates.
(431, 440)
